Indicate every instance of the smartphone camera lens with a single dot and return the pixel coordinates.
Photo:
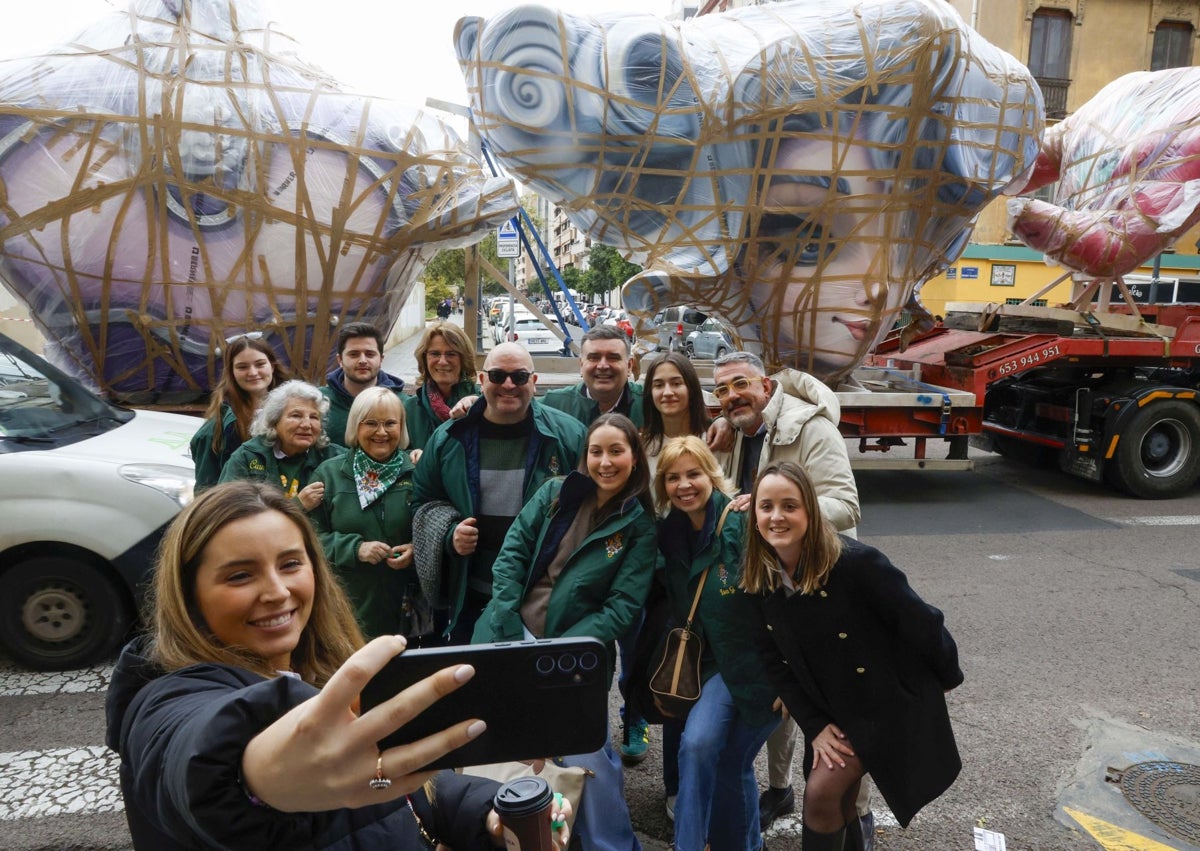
(545, 665)
(566, 663)
(588, 661)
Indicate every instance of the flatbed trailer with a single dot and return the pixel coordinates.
(1111, 396)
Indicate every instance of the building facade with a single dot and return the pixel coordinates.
(1074, 48)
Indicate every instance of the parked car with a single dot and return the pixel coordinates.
(674, 325)
(503, 326)
(86, 490)
(710, 341)
(535, 337)
(621, 319)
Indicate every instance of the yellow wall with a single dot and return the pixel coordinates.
(1110, 38)
(1030, 274)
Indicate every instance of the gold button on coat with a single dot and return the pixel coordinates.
(841, 635)
(861, 670)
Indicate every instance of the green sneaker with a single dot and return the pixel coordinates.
(635, 742)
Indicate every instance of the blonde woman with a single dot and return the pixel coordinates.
(700, 543)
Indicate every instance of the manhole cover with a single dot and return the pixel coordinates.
(1167, 793)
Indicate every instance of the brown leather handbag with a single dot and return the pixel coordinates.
(675, 683)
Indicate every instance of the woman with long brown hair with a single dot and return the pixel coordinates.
(250, 370)
(867, 661)
(245, 691)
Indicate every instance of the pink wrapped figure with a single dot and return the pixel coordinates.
(1128, 169)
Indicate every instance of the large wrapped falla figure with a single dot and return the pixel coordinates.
(1127, 164)
(797, 168)
(176, 175)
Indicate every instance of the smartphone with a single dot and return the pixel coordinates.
(544, 698)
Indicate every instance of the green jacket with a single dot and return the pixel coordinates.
(604, 583)
(419, 417)
(449, 471)
(255, 461)
(340, 401)
(382, 597)
(208, 463)
(725, 618)
(574, 401)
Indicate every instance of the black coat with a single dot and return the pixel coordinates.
(869, 655)
(180, 737)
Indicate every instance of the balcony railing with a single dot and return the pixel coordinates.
(1054, 92)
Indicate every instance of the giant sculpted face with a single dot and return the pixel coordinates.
(797, 168)
(176, 175)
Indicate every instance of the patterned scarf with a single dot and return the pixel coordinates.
(373, 478)
(441, 408)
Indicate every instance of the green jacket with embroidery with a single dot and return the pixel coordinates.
(382, 597)
(603, 585)
(255, 461)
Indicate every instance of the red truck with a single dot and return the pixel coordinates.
(1110, 395)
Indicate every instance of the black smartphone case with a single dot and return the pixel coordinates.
(543, 698)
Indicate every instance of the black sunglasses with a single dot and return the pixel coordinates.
(520, 377)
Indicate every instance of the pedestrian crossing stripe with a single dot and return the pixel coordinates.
(1113, 838)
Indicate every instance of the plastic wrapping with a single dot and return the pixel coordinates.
(796, 168)
(177, 175)
(1128, 169)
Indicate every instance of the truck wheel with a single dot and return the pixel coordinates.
(58, 613)
(1158, 455)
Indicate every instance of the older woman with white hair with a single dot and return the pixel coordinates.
(287, 443)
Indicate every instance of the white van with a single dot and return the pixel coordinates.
(86, 490)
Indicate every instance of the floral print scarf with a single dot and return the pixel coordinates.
(373, 478)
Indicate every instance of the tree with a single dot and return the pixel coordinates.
(607, 270)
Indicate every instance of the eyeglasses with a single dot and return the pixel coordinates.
(449, 354)
(520, 377)
(389, 425)
(739, 385)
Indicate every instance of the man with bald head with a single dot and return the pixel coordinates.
(486, 465)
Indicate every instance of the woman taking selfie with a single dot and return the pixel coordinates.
(578, 560)
(700, 543)
(287, 444)
(445, 378)
(235, 716)
(867, 666)
(249, 371)
(364, 521)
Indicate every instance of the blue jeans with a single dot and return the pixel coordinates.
(718, 795)
(602, 823)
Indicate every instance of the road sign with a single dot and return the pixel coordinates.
(508, 243)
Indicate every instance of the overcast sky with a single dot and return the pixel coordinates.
(399, 50)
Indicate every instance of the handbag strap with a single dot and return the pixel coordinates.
(703, 576)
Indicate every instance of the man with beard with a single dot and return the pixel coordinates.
(360, 365)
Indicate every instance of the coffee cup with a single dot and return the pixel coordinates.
(524, 807)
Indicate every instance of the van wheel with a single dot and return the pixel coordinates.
(1158, 454)
(58, 613)
(689, 351)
